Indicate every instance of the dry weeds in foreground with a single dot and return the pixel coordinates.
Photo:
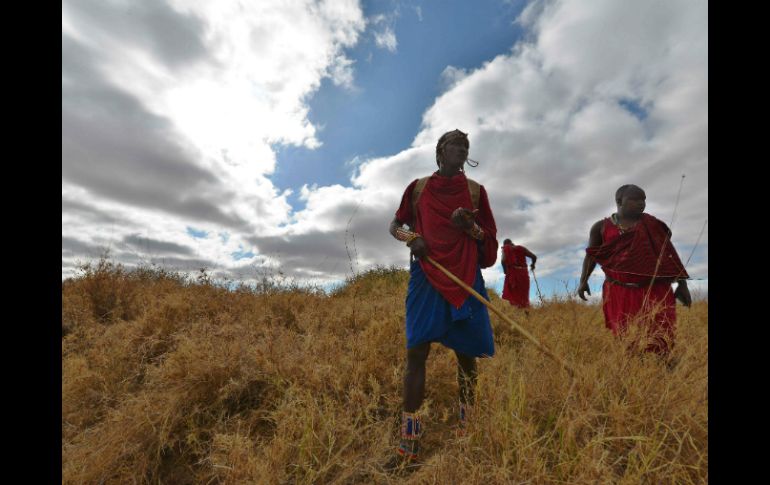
(172, 381)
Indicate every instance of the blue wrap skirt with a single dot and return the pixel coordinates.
(430, 318)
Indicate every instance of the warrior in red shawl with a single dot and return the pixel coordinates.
(516, 286)
(639, 262)
(449, 219)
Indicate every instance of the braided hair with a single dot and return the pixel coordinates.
(447, 137)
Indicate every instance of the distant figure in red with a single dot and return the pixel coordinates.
(516, 286)
(639, 264)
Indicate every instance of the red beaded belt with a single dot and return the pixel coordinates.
(519, 267)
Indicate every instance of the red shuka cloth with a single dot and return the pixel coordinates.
(636, 252)
(447, 244)
(516, 286)
(631, 257)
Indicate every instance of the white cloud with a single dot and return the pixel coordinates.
(224, 80)
(550, 123)
(384, 33)
(386, 39)
(418, 11)
(342, 72)
(451, 75)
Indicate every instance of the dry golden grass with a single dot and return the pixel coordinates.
(173, 381)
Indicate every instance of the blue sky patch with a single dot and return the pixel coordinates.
(634, 107)
(196, 233)
(241, 254)
(393, 89)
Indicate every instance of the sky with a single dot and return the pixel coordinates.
(276, 138)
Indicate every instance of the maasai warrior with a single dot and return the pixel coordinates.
(639, 264)
(516, 286)
(443, 226)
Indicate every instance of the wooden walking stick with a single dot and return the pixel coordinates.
(542, 302)
(500, 314)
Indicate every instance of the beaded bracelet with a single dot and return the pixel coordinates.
(411, 239)
(406, 236)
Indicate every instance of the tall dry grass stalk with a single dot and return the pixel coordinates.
(172, 381)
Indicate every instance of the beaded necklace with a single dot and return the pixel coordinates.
(621, 228)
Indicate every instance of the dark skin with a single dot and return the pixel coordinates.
(451, 159)
(629, 212)
(527, 253)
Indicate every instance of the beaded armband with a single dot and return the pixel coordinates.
(476, 232)
(406, 236)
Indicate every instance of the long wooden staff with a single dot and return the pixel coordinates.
(497, 312)
(538, 287)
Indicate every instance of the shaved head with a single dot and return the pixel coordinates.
(626, 190)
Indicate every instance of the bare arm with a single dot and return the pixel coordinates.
(394, 224)
(682, 293)
(589, 263)
(531, 256)
(417, 246)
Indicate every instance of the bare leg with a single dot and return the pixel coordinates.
(414, 392)
(466, 377)
(414, 378)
